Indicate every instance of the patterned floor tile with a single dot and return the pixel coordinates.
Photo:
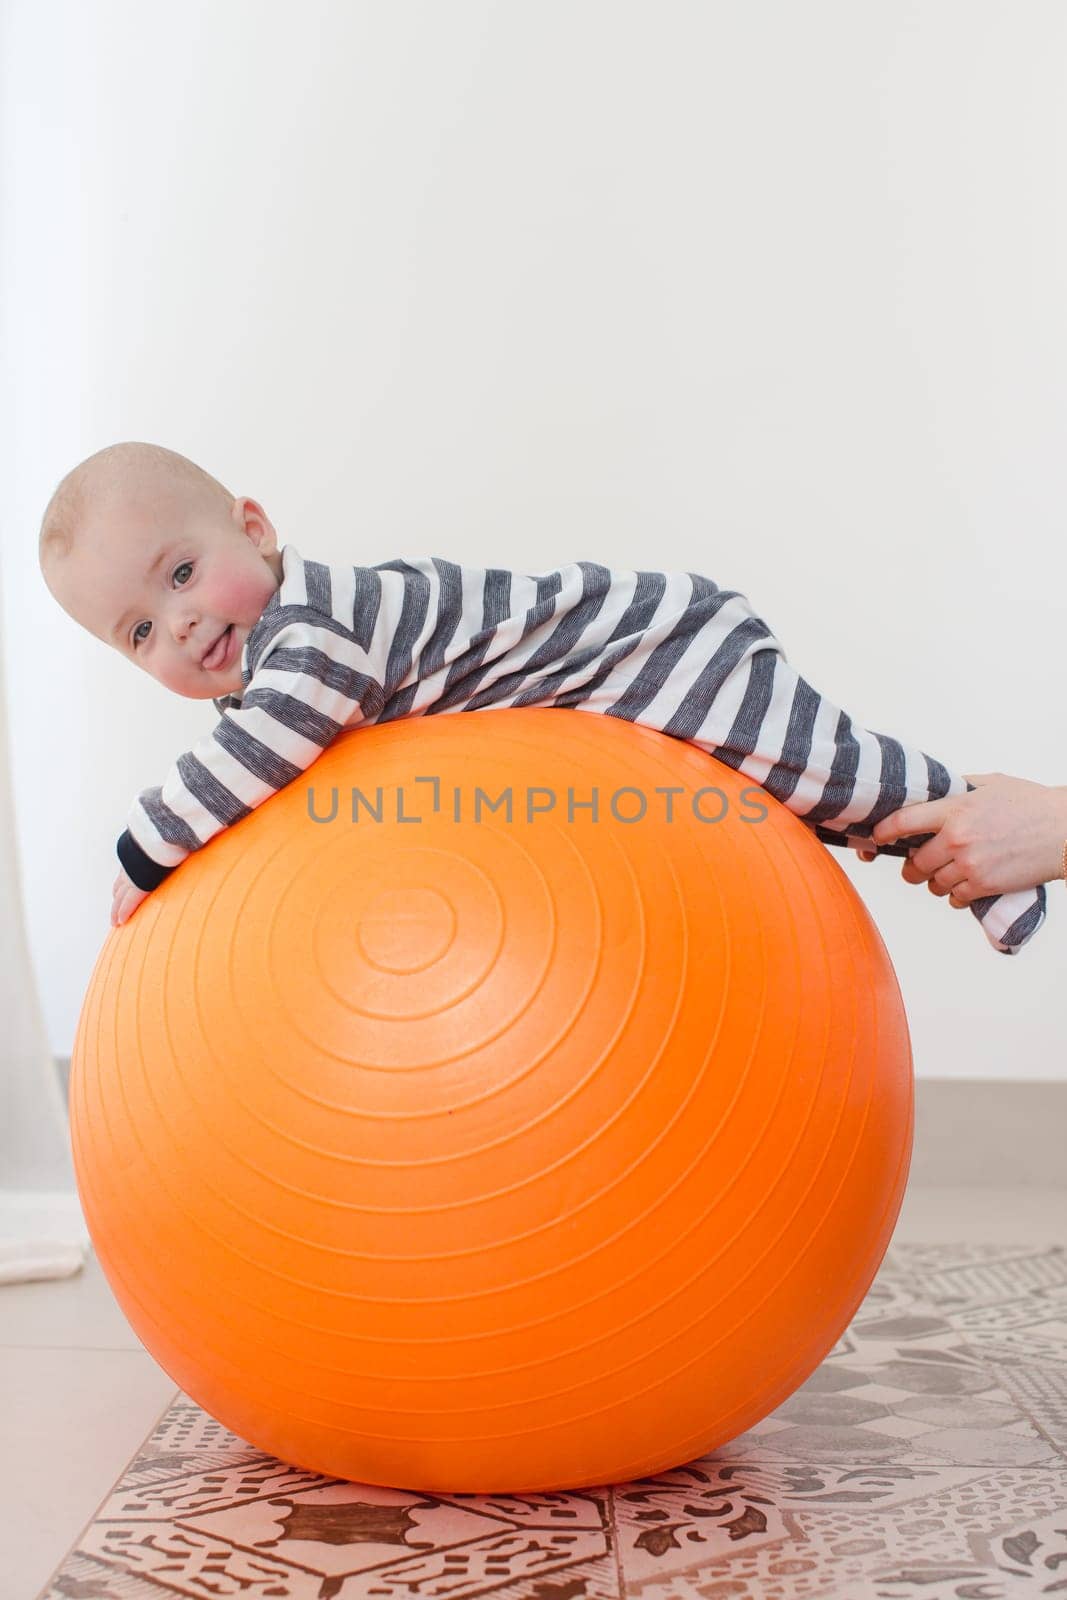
(927, 1456)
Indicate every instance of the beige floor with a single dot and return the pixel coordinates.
(78, 1393)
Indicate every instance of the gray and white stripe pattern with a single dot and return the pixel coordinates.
(342, 646)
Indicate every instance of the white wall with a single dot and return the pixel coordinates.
(773, 292)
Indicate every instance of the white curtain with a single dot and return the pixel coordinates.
(42, 1234)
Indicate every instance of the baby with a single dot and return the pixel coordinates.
(155, 558)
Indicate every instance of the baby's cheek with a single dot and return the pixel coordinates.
(240, 600)
(180, 677)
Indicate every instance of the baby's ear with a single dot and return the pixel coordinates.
(249, 514)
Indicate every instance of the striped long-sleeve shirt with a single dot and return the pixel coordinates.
(341, 646)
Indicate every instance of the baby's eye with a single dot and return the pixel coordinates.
(138, 636)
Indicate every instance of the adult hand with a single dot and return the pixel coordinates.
(1006, 834)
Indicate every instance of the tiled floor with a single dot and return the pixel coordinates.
(927, 1456)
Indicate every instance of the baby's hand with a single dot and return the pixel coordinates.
(125, 898)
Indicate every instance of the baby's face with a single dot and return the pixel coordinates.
(163, 579)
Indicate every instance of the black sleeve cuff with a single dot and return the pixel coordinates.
(140, 868)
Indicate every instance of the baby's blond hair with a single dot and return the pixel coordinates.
(118, 467)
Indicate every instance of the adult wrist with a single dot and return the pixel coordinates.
(1061, 791)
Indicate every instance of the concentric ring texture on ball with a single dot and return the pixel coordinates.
(495, 1155)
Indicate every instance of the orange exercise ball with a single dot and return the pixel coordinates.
(432, 1146)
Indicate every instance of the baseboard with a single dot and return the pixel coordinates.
(975, 1133)
(972, 1133)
